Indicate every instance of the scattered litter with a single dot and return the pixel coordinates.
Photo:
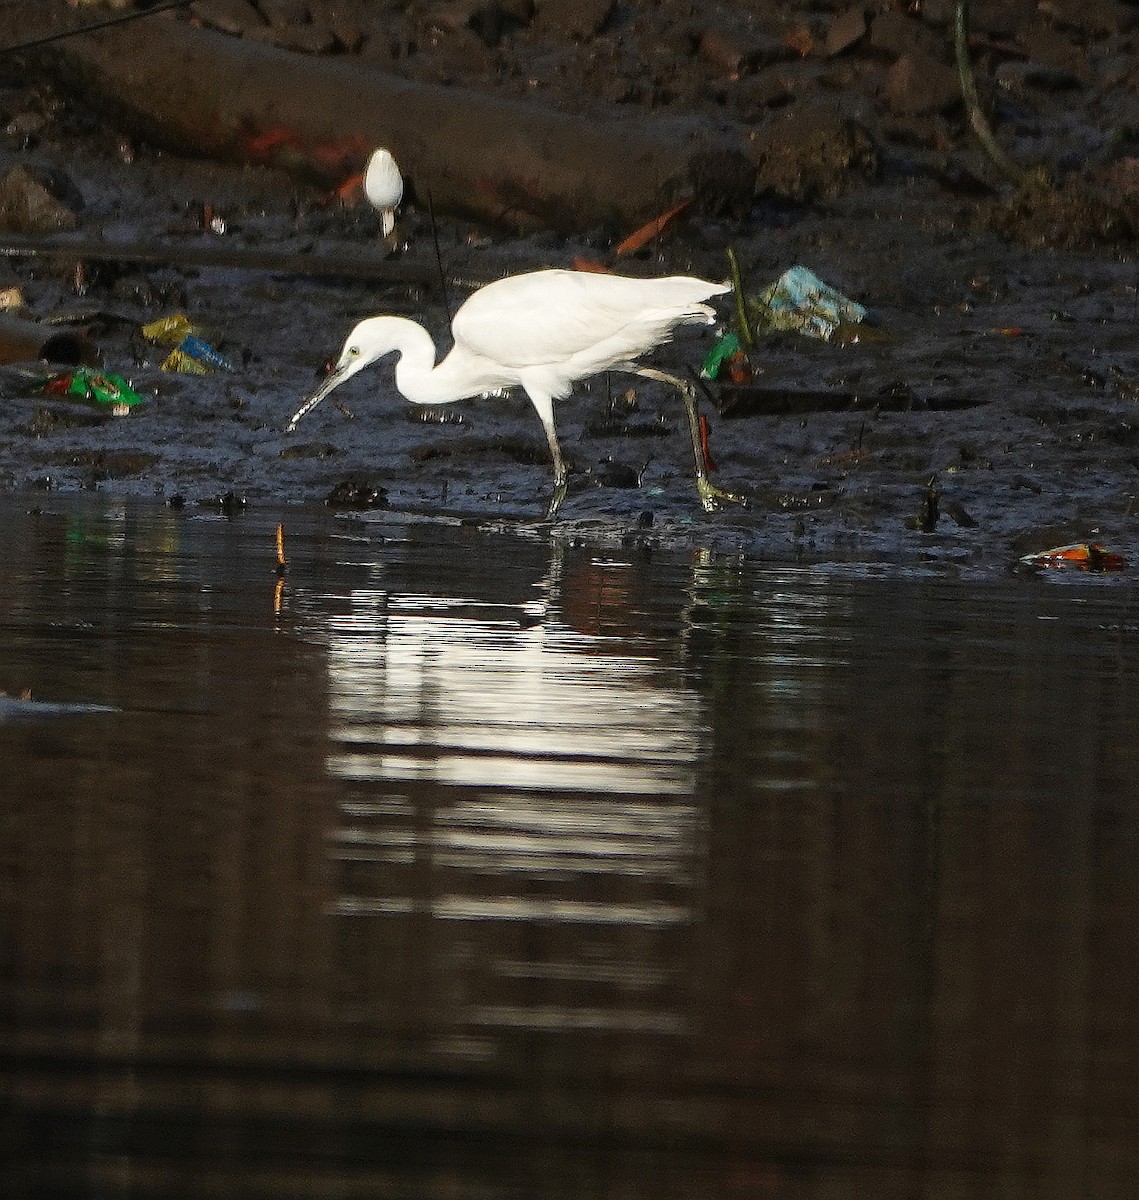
(651, 230)
(1088, 556)
(192, 355)
(212, 222)
(801, 302)
(727, 354)
(102, 390)
(168, 331)
(11, 297)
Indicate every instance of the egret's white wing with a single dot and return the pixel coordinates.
(549, 317)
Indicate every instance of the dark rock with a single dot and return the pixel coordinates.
(917, 85)
(26, 206)
(767, 90)
(1045, 46)
(1092, 18)
(845, 30)
(577, 19)
(740, 50)
(304, 39)
(285, 12)
(804, 155)
(357, 493)
(1000, 18)
(894, 33)
(348, 21)
(230, 16)
(1020, 76)
(492, 22)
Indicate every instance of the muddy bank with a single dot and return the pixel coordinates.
(1015, 341)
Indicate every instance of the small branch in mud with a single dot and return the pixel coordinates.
(745, 334)
(977, 121)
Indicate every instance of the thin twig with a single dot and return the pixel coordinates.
(32, 43)
(741, 309)
(439, 257)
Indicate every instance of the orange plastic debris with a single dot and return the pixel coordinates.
(739, 368)
(351, 190)
(1090, 556)
(651, 230)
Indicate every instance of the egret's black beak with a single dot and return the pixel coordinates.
(334, 377)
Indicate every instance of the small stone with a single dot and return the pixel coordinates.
(230, 16)
(724, 52)
(578, 19)
(285, 12)
(894, 33)
(26, 206)
(844, 31)
(918, 85)
(305, 39)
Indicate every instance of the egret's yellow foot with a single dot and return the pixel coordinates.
(714, 498)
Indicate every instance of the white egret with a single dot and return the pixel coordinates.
(542, 331)
(383, 187)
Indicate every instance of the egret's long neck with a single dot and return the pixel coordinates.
(418, 377)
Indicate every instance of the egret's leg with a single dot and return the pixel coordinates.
(711, 497)
(545, 407)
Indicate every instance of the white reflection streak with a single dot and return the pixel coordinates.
(464, 702)
(560, 774)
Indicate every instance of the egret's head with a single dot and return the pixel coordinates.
(367, 342)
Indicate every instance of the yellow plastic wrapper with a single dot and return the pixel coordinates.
(168, 331)
(179, 360)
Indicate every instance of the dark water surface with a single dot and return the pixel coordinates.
(472, 864)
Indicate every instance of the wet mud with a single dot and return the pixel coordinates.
(993, 409)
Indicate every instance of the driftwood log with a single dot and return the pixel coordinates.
(508, 163)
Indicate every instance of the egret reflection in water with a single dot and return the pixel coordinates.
(483, 865)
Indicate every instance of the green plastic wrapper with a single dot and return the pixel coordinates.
(101, 389)
(727, 347)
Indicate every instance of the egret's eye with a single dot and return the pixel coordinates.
(353, 351)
